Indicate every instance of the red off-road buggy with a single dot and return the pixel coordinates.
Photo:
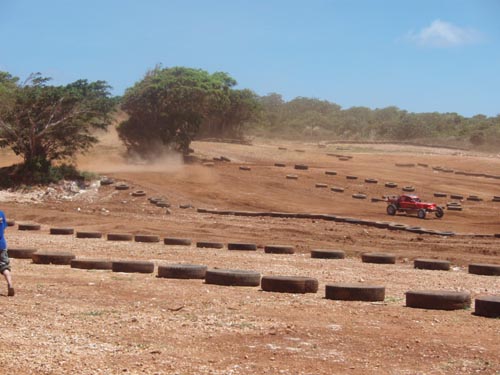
(412, 204)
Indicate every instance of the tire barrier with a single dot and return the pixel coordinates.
(408, 188)
(395, 226)
(327, 254)
(479, 269)
(379, 258)
(91, 264)
(245, 168)
(146, 238)
(355, 292)
(279, 249)
(456, 196)
(301, 167)
(50, 257)
(330, 173)
(132, 266)
(242, 246)
(20, 253)
(320, 185)
(371, 181)
(177, 241)
(474, 198)
(88, 234)
(62, 231)
(29, 226)
(348, 177)
(292, 177)
(359, 196)
(138, 193)
(488, 306)
(391, 185)
(122, 186)
(431, 264)
(232, 277)
(120, 237)
(418, 230)
(281, 165)
(210, 245)
(440, 195)
(289, 284)
(182, 271)
(107, 181)
(337, 189)
(438, 300)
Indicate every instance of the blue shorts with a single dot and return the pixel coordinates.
(4, 261)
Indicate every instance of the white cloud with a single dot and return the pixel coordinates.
(444, 34)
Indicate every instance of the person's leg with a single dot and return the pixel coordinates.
(8, 278)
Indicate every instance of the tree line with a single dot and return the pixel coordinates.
(170, 107)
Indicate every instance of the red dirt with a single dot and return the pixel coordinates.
(65, 320)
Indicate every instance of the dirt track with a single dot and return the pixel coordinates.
(88, 322)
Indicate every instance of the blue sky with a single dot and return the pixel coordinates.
(422, 56)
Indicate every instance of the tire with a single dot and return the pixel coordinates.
(355, 292)
(11, 223)
(456, 196)
(408, 188)
(182, 271)
(374, 199)
(351, 177)
(107, 181)
(479, 269)
(279, 249)
(281, 165)
(378, 258)
(421, 213)
(122, 187)
(211, 245)
(132, 266)
(337, 189)
(138, 193)
(245, 168)
(331, 173)
(391, 185)
(328, 254)
(50, 257)
(418, 230)
(301, 167)
(454, 208)
(440, 195)
(208, 164)
(289, 284)
(62, 231)
(381, 224)
(488, 306)
(177, 241)
(19, 253)
(29, 226)
(242, 246)
(282, 148)
(298, 150)
(92, 264)
(88, 235)
(391, 210)
(371, 181)
(120, 237)
(344, 158)
(438, 300)
(292, 177)
(439, 212)
(359, 196)
(162, 204)
(226, 159)
(146, 238)
(320, 185)
(474, 198)
(232, 277)
(431, 264)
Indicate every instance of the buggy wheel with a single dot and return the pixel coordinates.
(439, 212)
(391, 210)
(421, 213)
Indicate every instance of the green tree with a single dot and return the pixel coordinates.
(168, 107)
(44, 123)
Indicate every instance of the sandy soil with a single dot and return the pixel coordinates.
(65, 320)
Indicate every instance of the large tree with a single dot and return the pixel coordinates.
(44, 123)
(168, 107)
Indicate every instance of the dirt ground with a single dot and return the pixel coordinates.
(65, 320)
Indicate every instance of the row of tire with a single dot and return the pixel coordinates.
(488, 306)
